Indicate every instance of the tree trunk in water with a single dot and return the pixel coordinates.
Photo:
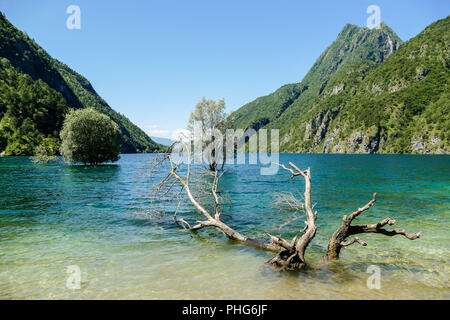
(338, 239)
(292, 257)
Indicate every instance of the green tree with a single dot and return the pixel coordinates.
(42, 155)
(90, 137)
(210, 114)
(46, 151)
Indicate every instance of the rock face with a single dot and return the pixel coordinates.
(336, 90)
(360, 142)
(435, 140)
(325, 136)
(355, 140)
(329, 140)
(317, 128)
(418, 145)
(423, 146)
(287, 137)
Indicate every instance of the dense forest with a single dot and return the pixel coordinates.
(31, 112)
(36, 92)
(367, 93)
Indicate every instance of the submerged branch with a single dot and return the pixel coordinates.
(337, 241)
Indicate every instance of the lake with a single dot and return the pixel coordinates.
(54, 216)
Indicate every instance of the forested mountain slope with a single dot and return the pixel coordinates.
(36, 91)
(399, 106)
(353, 44)
(369, 99)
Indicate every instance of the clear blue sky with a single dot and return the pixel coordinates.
(153, 60)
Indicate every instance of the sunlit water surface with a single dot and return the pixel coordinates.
(54, 216)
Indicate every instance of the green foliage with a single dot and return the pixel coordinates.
(391, 100)
(405, 97)
(90, 137)
(46, 151)
(264, 109)
(353, 45)
(30, 111)
(33, 85)
(208, 112)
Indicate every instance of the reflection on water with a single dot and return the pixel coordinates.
(53, 216)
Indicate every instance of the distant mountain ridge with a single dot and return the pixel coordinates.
(367, 93)
(26, 68)
(353, 44)
(163, 141)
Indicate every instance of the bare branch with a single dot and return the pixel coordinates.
(281, 242)
(293, 255)
(360, 210)
(295, 173)
(301, 172)
(355, 239)
(289, 222)
(288, 169)
(378, 228)
(289, 201)
(337, 240)
(182, 223)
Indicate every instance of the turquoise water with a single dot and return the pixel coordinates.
(54, 216)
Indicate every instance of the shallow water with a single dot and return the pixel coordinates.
(54, 216)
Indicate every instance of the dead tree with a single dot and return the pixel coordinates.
(211, 219)
(290, 255)
(338, 239)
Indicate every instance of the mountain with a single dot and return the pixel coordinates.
(366, 93)
(36, 91)
(352, 45)
(164, 141)
(401, 105)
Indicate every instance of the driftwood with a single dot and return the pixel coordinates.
(290, 254)
(338, 239)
